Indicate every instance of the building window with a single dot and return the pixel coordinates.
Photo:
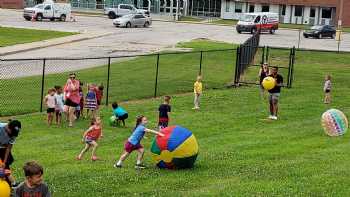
(326, 12)
(312, 12)
(298, 10)
(238, 7)
(283, 12)
(251, 8)
(265, 8)
(227, 9)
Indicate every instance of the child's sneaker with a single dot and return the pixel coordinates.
(94, 158)
(140, 166)
(117, 166)
(270, 117)
(274, 118)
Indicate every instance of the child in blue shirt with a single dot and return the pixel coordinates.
(133, 142)
(119, 113)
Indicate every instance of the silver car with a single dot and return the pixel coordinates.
(133, 20)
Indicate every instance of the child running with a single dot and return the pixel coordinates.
(50, 102)
(164, 112)
(91, 100)
(90, 138)
(59, 99)
(197, 88)
(133, 143)
(119, 113)
(327, 90)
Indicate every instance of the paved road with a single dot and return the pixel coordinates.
(160, 36)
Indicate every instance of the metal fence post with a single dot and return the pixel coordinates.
(108, 75)
(238, 59)
(263, 55)
(267, 53)
(299, 38)
(42, 85)
(290, 67)
(156, 82)
(200, 63)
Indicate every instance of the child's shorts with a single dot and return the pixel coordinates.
(128, 147)
(77, 108)
(123, 117)
(50, 110)
(163, 122)
(89, 140)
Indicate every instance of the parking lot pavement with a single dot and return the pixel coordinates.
(133, 41)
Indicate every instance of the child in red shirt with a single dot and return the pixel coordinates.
(90, 137)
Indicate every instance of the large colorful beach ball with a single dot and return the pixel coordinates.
(268, 83)
(176, 150)
(334, 122)
(5, 190)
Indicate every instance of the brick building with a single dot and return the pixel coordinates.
(11, 4)
(310, 12)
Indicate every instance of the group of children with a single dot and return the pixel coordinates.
(133, 143)
(56, 97)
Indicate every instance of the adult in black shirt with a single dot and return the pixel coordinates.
(274, 93)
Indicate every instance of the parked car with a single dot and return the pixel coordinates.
(320, 31)
(124, 9)
(48, 10)
(133, 20)
(252, 22)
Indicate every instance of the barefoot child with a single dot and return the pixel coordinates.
(327, 89)
(164, 112)
(197, 88)
(33, 184)
(50, 102)
(133, 143)
(90, 138)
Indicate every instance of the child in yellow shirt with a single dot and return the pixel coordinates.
(197, 88)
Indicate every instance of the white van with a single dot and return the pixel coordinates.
(48, 10)
(263, 21)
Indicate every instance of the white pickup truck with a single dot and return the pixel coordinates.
(124, 9)
(48, 10)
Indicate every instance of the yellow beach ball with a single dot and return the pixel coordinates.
(269, 83)
(5, 189)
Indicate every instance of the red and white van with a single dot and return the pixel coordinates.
(252, 22)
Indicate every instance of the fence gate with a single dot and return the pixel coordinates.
(250, 57)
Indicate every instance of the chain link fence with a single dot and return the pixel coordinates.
(25, 82)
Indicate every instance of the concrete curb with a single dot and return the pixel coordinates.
(42, 44)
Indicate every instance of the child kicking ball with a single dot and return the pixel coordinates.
(133, 142)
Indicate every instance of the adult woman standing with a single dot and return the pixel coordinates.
(72, 97)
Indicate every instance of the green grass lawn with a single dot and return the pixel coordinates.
(11, 36)
(225, 22)
(189, 18)
(241, 153)
(129, 80)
